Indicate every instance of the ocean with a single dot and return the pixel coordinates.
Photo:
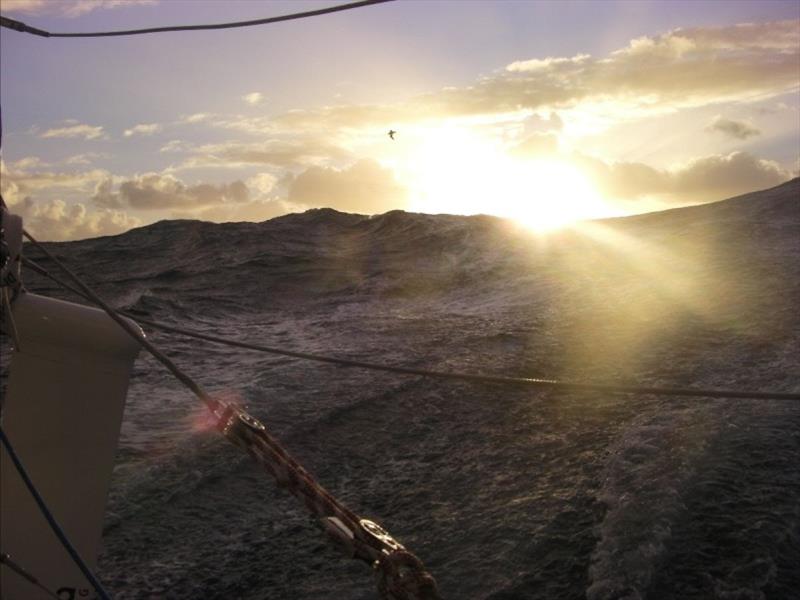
(504, 492)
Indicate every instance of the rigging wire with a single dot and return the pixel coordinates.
(51, 520)
(23, 28)
(474, 377)
(6, 559)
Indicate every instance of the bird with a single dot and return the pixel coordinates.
(391, 133)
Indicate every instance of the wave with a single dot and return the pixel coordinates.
(646, 478)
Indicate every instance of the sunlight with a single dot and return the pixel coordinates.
(456, 171)
(673, 275)
(548, 194)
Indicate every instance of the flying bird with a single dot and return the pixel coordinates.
(391, 133)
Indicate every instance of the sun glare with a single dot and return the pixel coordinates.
(455, 171)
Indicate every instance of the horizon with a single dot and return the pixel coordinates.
(544, 113)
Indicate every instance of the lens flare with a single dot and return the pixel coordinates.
(201, 420)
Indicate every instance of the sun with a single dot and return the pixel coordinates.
(455, 171)
(549, 194)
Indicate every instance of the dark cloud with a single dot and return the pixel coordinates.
(704, 179)
(365, 188)
(154, 192)
(736, 129)
(717, 177)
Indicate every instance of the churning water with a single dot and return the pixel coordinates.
(503, 492)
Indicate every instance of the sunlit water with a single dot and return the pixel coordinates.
(504, 492)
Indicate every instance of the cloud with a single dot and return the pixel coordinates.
(154, 191)
(263, 183)
(84, 158)
(537, 144)
(16, 182)
(246, 124)
(24, 164)
(47, 199)
(775, 35)
(722, 176)
(550, 62)
(683, 68)
(56, 220)
(365, 187)
(531, 104)
(333, 118)
(704, 179)
(253, 124)
(576, 95)
(286, 153)
(143, 129)
(253, 98)
(195, 118)
(540, 123)
(234, 201)
(175, 146)
(87, 132)
(67, 8)
(736, 129)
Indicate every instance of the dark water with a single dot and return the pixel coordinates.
(504, 492)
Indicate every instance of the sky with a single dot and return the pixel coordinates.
(542, 112)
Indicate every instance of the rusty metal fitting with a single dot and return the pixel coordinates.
(402, 576)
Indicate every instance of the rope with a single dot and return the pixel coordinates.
(25, 574)
(51, 520)
(360, 538)
(22, 27)
(473, 377)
